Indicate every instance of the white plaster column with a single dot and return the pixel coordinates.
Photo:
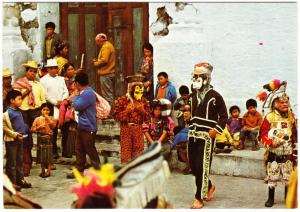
(15, 51)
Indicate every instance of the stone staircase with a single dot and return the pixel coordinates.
(241, 163)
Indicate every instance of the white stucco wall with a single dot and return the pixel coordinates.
(251, 44)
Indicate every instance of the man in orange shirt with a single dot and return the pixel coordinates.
(252, 121)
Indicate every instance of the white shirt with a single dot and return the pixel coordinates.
(55, 89)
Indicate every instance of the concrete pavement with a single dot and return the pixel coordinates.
(231, 192)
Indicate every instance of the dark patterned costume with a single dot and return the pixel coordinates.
(210, 113)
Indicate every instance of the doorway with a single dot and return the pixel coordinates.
(126, 25)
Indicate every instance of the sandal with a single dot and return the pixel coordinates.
(197, 204)
(210, 193)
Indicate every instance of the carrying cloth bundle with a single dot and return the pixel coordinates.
(142, 179)
(102, 107)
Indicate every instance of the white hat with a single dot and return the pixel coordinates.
(51, 63)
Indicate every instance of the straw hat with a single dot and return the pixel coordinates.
(51, 63)
(31, 64)
(6, 73)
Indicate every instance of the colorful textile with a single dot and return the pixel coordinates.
(234, 126)
(132, 142)
(280, 161)
(48, 125)
(23, 83)
(135, 116)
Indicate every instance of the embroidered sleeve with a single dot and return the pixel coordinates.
(263, 133)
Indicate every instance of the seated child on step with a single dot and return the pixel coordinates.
(224, 142)
(234, 124)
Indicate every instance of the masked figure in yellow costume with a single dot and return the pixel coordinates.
(132, 110)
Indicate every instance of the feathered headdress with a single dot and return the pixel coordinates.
(94, 181)
(275, 89)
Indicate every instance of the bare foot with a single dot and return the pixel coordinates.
(197, 204)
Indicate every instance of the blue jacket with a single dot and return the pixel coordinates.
(17, 121)
(180, 137)
(170, 92)
(85, 104)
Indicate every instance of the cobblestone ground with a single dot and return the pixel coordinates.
(231, 192)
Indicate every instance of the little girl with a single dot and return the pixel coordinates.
(43, 126)
(160, 128)
(234, 124)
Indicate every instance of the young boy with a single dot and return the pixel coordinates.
(252, 121)
(234, 124)
(164, 88)
(180, 102)
(15, 131)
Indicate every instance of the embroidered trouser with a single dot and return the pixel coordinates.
(132, 142)
(279, 168)
(200, 158)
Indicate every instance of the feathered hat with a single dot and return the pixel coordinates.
(94, 182)
(275, 89)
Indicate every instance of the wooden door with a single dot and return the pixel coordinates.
(80, 23)
(128, 30)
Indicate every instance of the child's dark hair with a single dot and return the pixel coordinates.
(148, 46)
(48, 105)
(13, 94)
(66, 66)
(184, 90)
(164, 74)
(82, 78)
(154, 104)
(50, 25)
(251, 102)
(234, 107)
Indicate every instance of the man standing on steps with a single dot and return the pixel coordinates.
(85, 103)
(278, 134)
(105, 64)
(208, 117)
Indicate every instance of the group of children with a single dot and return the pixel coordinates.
(239, 129)
(16, 132)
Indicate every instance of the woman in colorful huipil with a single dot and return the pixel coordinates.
(132, 110)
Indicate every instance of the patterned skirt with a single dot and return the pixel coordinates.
(44, 148)
(72, 135)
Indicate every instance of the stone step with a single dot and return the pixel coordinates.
(241, 163)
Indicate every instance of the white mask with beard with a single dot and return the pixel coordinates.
(198, 83)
